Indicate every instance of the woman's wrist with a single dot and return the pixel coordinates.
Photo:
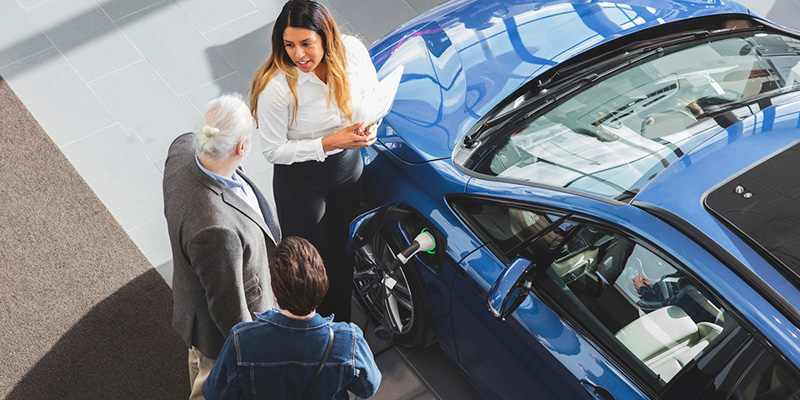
(327, 144)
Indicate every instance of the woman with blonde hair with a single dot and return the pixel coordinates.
(303, 99)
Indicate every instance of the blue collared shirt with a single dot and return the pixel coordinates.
(236, 184)
(274, 357)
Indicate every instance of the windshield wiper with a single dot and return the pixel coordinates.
(471, 140)
(683, 37)
(528, 107)
(542, 86)
(536, 92)
(726, 116)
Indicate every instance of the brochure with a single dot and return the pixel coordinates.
(376, 103)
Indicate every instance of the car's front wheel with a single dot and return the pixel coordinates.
(393, 293)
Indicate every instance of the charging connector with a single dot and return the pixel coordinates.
(423, 242)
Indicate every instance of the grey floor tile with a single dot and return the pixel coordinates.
(117, 9)
(255, 163)
(421, 6)
(165, 270)
(346, 29)
(20, 37)
(399, 380)
(146, 107)
(160, 164)
(761, 7)
(30, 3)
(153, 240)
(231, 84)
(186, 60)
(443, 377)
(342, 20)
(359, 317)
(210, 14)
(784, 12)
(442, 374)
(86, 36)
(262, 179)
(392, 13)
(245, 44)
(335, 13)
(270, 8)
(120, 174)
(57, 97)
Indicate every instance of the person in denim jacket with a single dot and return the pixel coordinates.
(275, 356)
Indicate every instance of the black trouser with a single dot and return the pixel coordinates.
(317, 201)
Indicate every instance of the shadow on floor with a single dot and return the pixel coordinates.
(123, 348)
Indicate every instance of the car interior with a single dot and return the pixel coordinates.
(663, 322)
(612, 137)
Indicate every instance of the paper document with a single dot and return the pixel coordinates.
(376, 103)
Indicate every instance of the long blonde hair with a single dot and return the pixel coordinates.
(313, 16)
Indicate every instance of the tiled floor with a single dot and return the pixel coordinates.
(114, 81)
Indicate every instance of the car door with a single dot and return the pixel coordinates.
(608, 315)
(512, 358)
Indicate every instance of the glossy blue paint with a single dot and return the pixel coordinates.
(460, 61)
(516, 356)
(502, 294)
(685, 250)
(749, 142)
(478, 52)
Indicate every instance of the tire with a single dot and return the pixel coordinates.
(394, 297)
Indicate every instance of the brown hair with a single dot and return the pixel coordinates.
(298, 276)
(313, 16)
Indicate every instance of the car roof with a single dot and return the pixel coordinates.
(680, 193)
(463, 58)
(683, 186)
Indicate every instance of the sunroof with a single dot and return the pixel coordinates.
(763, 204)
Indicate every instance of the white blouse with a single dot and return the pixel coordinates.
(285, 142)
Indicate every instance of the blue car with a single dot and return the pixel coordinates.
(590, 199)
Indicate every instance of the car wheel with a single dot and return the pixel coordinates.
(393, 293)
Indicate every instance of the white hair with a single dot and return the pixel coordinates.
(227, 122)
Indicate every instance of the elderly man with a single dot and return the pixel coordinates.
(222, 233)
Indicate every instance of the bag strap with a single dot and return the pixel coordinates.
(322, 362)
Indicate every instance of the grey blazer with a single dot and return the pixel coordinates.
(220, 251)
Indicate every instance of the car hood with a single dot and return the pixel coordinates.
(463, 58)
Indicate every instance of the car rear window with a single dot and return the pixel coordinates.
(763, 205)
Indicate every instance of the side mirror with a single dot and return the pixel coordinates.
(510, 289)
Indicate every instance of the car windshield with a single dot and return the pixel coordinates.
(614, 136)
(763, 204)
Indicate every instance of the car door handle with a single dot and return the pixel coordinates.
(597, 392)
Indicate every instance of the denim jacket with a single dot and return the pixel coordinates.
(274, 357)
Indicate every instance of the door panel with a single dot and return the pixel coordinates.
(534, 351)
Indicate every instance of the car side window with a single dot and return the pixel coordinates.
(635, 303)
(768, 378)
(505, 226)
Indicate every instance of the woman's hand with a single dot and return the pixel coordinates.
(372, 129)
(351, 137)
